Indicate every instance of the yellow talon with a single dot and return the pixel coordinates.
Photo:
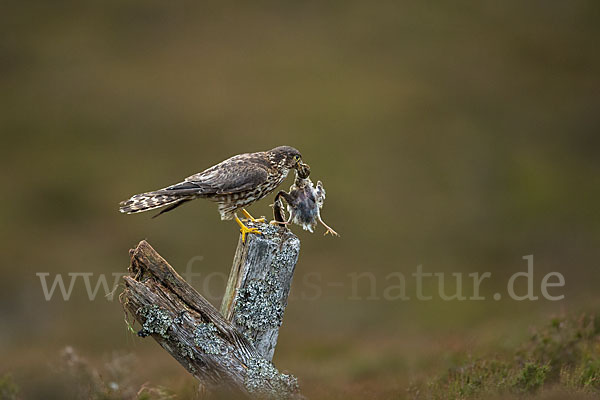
(244, 229)
(250, 217)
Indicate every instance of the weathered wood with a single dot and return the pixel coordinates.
(259, 285)
(189, 328)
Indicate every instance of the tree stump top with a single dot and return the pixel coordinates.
(259, 284)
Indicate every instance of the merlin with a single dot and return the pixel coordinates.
(233, 184)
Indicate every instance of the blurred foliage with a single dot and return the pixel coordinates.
(564, 355)
(114, 380)
(8, 388)
(458, 135)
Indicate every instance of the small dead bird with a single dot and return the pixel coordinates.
(304, 202)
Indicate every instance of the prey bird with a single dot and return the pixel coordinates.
(233, 184)
(304, 203)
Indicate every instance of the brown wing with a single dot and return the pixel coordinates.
(234, 175)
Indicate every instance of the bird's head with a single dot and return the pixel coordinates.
(286, 156)
(303, 170)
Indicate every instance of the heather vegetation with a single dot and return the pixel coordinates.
(563, 356)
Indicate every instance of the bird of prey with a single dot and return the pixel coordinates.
(233, 184)
(304, 202)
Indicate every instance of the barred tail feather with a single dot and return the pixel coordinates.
(152, 200)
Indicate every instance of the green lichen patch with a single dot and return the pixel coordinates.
(269, 230)
(272, 233)
(206, 337)
(185, 351)
(258, 305)
(261, 371)
(180, 319)
(283, 257)
(157, 321)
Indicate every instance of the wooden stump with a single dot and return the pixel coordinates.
(259, 285)
(193, 332)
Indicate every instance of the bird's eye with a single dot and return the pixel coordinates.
(296, 157)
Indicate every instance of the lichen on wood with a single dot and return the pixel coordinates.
(206, 337)
(187, 326)
(257, 306)
(156, 321)
(259, 285)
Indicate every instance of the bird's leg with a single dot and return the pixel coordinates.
(329, 230)
(250, 217)
(275, 222)
(244, 229)
(278, 213)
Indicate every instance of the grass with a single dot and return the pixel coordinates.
(560, 360)
(8, 388)
(113, 380)
(565, 355)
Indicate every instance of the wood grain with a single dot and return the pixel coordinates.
(193, 332)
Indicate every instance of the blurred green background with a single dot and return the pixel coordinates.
(457, 135)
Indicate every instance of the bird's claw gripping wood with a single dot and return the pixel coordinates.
(250, 217)
(244, 229)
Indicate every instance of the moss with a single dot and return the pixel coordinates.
(157, 321)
